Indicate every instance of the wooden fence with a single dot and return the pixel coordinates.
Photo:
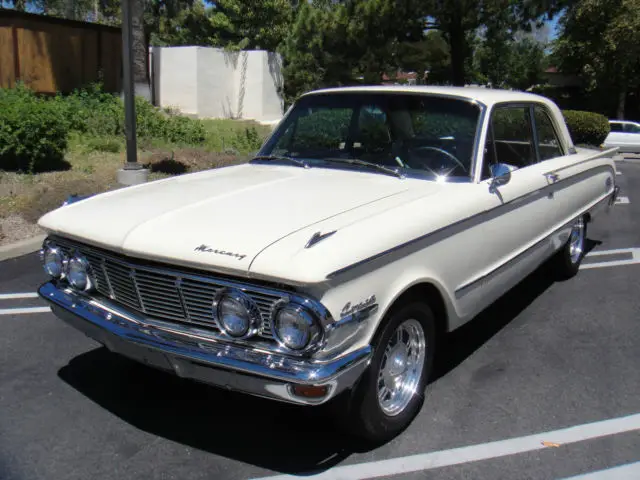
(55, 55)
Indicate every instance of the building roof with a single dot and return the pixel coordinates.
(487, 96)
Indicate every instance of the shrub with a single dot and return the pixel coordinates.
(33, 132)
(247, 140)
(586, 128)
(100, 114)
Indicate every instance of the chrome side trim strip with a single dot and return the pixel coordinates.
(473, 220)
(582, 162)
(469, 286)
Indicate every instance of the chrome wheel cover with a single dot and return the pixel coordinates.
(576, 241)
(401, 367)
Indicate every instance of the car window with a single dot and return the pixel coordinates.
(548, 144)
(372, 134)
(424, 135)
(511, 141)
(616, 127)
(316, 128)
(631, 128)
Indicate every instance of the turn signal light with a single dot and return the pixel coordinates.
(310, 391)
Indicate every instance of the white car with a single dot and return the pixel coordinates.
(624, 135)
(373, 221)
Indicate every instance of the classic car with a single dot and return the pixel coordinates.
(625, 135)
(328, 268)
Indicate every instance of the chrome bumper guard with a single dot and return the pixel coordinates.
(191, 355)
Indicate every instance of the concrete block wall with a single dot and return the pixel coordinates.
(211, 83)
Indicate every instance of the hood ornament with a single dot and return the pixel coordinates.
(318, 237)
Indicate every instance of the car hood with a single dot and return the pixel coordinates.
(222, 219)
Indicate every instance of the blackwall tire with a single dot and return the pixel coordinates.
(403, 356)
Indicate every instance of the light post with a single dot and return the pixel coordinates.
(132, 173)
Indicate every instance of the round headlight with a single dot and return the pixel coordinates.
(236, 314)
(79, 273)
(54, 261)
(296, 327)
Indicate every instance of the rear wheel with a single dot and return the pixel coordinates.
(391, 391)
(567, 260)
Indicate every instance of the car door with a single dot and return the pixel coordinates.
(631, 137)
(575, 183)
(616, 135)
(516, 216)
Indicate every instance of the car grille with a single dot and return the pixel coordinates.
(162, 293)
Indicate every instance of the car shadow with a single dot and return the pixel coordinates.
(279, 437)
(464, 341)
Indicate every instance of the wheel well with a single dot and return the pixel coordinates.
(428, 293)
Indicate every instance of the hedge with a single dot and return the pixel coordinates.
(586, 128)
(33, 132)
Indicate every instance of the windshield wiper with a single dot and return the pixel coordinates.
(363, 163)
(296, 161)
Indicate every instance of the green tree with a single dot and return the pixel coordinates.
(510, 60)
(251, 24)
(600, 41)
(459, 20)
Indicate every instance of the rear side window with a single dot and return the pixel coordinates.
(548, 144)
(631, 128)
(616, 127)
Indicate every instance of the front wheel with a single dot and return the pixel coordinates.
(391, 391)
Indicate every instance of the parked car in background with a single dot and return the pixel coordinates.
(625, 135)
(372, 222)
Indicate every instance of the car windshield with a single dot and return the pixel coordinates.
(428, 135)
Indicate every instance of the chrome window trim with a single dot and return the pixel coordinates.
(409, 173)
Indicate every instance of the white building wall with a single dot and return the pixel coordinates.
(176, 78)
(215, 84)
(212, 83)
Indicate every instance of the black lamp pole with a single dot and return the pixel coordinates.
(129, 93)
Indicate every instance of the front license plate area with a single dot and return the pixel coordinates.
(140, 353)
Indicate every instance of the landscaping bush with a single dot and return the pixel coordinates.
(33, 132)
(586, 128)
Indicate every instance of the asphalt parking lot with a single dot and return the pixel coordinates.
(545, 384)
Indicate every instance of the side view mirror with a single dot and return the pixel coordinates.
(501, 174)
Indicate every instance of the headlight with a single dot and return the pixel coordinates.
(236, 314)
(54, 261)
(296, 328)
(79, 274)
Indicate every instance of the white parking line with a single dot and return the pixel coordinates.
(623, 472)
(635, 258)
(622, 200)
(12, 296)
(474, 453)
(23, 311)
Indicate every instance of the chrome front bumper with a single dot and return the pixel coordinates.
(192, 355)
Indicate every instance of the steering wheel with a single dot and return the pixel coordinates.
(445, 153)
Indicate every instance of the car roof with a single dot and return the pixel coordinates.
(487, 96)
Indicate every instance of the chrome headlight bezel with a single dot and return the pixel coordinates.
(254, 317)
(79, 259)
(50, 248)
(308, 316)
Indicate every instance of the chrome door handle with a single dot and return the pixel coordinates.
(553, 177)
